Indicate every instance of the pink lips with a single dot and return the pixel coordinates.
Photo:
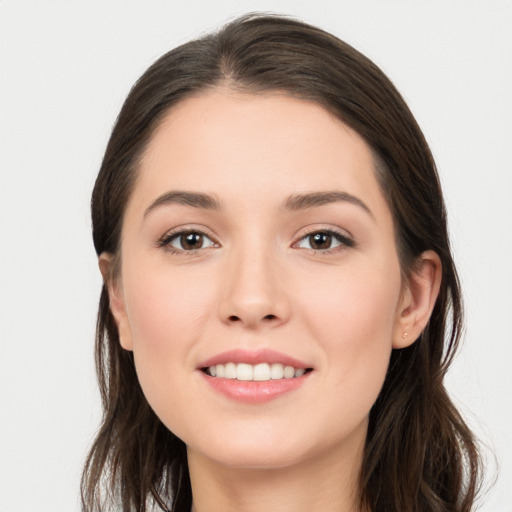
(253, 357)
(254, 392)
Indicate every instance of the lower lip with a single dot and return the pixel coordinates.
(254, 392)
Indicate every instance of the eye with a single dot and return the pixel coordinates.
(187, 241)
(324, 241)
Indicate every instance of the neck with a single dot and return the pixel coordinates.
(327, 483)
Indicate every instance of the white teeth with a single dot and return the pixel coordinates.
(261, 372)
(230, 371)
(244, 371)
(289, 372)
(258, 372)
(276, 371)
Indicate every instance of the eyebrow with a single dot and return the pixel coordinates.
(194, 199)
(310, 200)
(293, 203)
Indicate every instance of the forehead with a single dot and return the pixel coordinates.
(242, 146)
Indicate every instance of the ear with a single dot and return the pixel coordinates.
(418, 299)
(116, 299)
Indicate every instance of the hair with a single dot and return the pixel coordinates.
(419, 455)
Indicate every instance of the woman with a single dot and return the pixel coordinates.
(280, 302)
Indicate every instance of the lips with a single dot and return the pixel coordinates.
(254, 376)
(254, 357)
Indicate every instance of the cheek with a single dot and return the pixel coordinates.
(167, 314)
(353, 303)
(352, 315)
(165, 307)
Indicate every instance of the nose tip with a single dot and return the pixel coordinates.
(252, 296)
(252, 314)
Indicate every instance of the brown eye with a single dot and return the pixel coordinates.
(320, 241)
(189, 241)
(324, 240)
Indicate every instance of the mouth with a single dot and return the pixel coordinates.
(255, 377)
(258, 372)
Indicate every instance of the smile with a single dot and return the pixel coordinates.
(258, 372)
(255, 377)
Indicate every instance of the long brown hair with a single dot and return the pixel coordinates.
(420, 456)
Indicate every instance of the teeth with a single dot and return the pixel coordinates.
(261, 372)
(289, 372)
(258, 372)
(276, 371)
(243, 371)
(230, 371)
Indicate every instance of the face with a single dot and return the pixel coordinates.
(260, 288)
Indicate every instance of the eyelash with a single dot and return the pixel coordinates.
(165, 241)
(344, 241)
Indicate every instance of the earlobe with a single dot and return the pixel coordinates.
(116, 300)
(418, 299)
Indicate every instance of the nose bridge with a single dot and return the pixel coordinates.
(252, 293)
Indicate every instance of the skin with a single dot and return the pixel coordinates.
(257, 282)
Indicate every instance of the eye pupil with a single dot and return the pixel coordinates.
(320, 240)
(191, 241)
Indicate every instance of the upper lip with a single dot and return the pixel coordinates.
(253, 357)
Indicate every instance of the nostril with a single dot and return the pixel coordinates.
(234, 318)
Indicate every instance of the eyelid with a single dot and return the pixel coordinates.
(168, 236)
(344, 237)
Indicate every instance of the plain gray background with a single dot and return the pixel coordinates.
(65, 69)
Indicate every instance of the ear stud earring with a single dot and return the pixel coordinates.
(404, 335)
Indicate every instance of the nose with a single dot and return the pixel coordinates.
(253, 292)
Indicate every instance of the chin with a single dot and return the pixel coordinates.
(240, 447)
(244, 456)
(253, 449)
